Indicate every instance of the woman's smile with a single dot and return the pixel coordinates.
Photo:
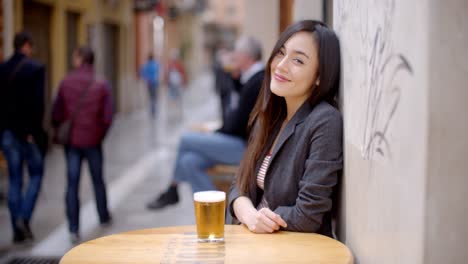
(280, 78)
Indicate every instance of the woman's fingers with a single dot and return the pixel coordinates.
(260, 223)
(276, 218)
(267, 222)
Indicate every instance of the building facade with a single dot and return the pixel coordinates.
(58, 26)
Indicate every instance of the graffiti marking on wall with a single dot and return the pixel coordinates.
(379, 66)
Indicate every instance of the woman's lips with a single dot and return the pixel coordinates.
(280, 78)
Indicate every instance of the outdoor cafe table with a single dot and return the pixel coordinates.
(179, 244)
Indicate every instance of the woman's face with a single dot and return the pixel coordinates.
(294, 68)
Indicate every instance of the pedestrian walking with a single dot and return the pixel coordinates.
(23, 138)
(150, 73)
(84, 102)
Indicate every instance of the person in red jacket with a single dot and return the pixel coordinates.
(176, 76)
(89, 100)
(176, 79)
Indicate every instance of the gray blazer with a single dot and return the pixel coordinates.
(303, 170)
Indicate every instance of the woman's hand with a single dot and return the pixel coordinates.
(261, 221)
(264, 221)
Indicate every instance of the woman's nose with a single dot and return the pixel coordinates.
(282, 64)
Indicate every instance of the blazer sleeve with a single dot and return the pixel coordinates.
(324, 161)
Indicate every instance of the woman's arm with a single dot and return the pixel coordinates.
(320, 176)
(261, 221)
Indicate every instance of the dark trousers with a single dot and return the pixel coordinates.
(17, 152)
(74, 158)
(153, 96)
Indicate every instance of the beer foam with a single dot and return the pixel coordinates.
(209, 196)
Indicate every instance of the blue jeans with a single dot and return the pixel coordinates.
(17, 152)
(199, 151)
(174, 92)
(153, 96)
(94, 157)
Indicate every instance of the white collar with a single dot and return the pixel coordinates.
(251, 71)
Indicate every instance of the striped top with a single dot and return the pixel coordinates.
(261, 180)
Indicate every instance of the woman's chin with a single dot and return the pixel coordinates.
(278, 90)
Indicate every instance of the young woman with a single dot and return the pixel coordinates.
(294, 154)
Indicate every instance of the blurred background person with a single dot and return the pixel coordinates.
(176, 80)
(227, 83)
(80, 88)
(23, 138)
(202, 149)
(150, 72)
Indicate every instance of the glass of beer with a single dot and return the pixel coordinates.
(209, 215)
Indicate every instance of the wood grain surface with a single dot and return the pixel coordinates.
(179, 245)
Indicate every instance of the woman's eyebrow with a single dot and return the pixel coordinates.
(300, 52)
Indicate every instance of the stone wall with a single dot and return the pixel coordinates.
(446, 233)
(385, 106)
(404, 99)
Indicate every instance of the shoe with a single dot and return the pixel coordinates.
(24, 229)
(74, 238)
(107, 222)
(167, 198)
(18, 237)
(27, 231)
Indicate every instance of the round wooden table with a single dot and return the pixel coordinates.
(179, 245)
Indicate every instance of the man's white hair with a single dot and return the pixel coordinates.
(250, 46)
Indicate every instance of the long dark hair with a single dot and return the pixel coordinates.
(270, 109)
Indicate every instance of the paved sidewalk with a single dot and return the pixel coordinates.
(139, 157)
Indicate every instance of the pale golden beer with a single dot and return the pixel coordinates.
(209, 215)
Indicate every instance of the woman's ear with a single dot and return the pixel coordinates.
(317, 82)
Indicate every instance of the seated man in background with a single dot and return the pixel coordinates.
(201, 150)
(227, 84)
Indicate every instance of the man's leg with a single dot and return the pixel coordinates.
(95, 160)
(216, 147)
(197, 152)
(35, 162)
(74, 157)
(203, 151)
(14, 156)
(193, 166)
(152, 99)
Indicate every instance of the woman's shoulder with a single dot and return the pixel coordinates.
(324, 113)
(325, 110)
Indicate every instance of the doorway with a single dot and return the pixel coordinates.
(111, 59)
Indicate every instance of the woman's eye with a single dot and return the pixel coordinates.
(299, 61)
(280, 53)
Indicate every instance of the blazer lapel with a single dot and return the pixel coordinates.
(290, 127)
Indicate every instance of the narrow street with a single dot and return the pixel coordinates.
(139, 155)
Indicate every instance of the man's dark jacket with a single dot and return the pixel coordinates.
(237, 120)
(22, 85)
